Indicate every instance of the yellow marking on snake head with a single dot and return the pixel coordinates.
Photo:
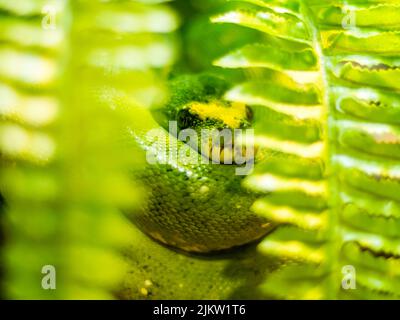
(232, 114)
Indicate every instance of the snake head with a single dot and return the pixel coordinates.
(197, 103)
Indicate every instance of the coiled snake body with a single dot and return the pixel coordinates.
(191, 205)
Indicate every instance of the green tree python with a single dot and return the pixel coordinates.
(198, 213)
(190, 205)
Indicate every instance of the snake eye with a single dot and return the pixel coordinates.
(249, 113)
(187, 119)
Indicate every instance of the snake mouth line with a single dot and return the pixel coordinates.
(228, 153)
(224, 129)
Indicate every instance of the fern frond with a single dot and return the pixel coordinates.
(330, 135)
(290, 128)
(67, 96)
(362, 66)
(297, 282)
